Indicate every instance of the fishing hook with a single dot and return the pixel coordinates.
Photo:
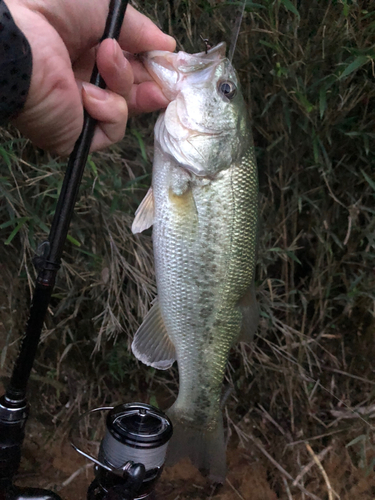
(206, 42)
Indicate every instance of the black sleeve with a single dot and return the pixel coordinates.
(15, 66)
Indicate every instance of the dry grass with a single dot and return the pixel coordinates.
(305, 389)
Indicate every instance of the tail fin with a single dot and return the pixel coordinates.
(205, 448)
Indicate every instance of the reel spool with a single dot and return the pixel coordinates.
(132, 452)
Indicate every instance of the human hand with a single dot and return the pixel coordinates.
(64, 37)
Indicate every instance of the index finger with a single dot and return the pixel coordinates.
(139, 33)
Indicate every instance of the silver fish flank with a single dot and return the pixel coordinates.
(203, 206)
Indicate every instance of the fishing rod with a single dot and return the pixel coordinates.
(117, 474)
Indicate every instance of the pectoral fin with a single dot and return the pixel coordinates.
(144, 216)
(250, 316)
(151, 343)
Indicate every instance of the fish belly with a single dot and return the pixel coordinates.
(204, 239)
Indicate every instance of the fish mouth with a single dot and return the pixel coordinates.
(170, 69)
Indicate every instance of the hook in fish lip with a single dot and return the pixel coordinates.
(206, 42)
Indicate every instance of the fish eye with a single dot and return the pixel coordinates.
(227, 89)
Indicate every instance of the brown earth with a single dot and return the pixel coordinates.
(50, 462)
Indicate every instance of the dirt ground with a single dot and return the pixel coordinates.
(344, 473)
(53, 464)
(50, 462)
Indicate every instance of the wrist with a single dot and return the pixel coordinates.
(15, 64)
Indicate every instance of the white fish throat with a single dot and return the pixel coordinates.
(203, 205)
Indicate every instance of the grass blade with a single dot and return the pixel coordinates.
(356, 64)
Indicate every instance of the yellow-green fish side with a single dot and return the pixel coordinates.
(204, 247)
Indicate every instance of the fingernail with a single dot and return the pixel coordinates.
(118, 56)
(171, 40)
(94, 92)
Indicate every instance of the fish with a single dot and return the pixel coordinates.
(203, 206)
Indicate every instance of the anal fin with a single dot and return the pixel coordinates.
(144, 216)
(151, 343)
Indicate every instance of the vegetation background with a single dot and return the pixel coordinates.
(299, 404)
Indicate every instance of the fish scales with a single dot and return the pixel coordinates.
(204, 209)
(204, 266)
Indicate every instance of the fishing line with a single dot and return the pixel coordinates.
(236, 31)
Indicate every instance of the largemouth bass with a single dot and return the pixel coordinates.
(203, 205)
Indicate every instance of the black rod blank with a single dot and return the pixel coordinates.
(59, 230)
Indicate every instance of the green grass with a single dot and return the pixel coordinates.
(307, 72)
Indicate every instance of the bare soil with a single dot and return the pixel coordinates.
(344, 472)
(50, 462)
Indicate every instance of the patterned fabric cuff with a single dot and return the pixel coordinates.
(15, 66)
